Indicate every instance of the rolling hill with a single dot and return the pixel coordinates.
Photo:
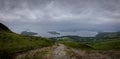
(11, 43)
(102, 41)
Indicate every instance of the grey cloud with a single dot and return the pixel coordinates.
(60, 15)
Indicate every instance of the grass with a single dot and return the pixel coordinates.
(11, 42)
(110, 44)
(113, 44)
(76, 45)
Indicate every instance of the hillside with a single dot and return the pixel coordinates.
(14, 45)
(108, 45)
(102, 41)
(108, 35)
(75, 39)
(4, 28)
(11, 43)
(107, 41)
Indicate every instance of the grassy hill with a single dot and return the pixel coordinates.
(108, 34)
(113, 44)
(77, 45)
(102, 41)
(107, 41)
(11, 43)
(73, 44)
(75, 39)
(4, 28)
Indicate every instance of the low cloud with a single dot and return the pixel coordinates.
(61, 15)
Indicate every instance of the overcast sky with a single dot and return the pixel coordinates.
(69, 17)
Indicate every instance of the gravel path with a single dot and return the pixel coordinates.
(59, 52)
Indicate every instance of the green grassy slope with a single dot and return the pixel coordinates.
(108, 41)
(12, 43)
(77, 45)
(113, 44)
(102, 41)
(74, 44)
(4, 28)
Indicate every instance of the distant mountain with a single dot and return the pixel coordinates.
(28, 33)
(102, 36)
(54, 33)
(108, 35)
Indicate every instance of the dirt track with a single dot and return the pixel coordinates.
(60, 51)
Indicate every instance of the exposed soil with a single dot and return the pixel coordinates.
(60, 51)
